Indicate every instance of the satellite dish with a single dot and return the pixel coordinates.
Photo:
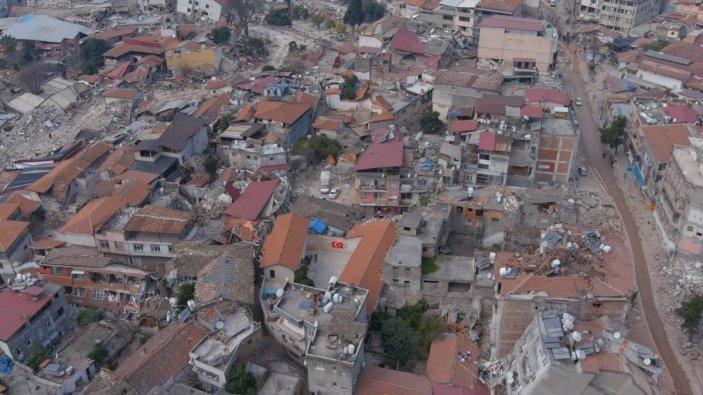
(219, 325)
(616, 335)
(576, 336)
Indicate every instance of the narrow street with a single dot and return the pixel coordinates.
(593, 152)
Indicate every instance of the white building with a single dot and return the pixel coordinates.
(209, 9)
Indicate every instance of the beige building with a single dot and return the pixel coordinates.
(518, 47)
(622, 16)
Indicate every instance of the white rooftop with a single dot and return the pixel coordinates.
(45, 29)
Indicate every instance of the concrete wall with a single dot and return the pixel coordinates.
(279, 272)
(554, 158)
(19, 251)
(332, 377)
(300, 128)
(403, 276)
(76, 239)
(667, 82)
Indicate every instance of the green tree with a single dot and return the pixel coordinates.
(255, 47)
(613, 134)
(98, 354)
(211, 165)
(317, 20)
(36, 356)
(324, 147)
(373, 10)
(28, 52)
(330, 24)
(349, 87)
(86, 316)
(8, 44)
(300, 12)
(278, 18)
(692, 312)
(268, 67)
(292, 46)
(300, 276)
(354, 15)
(220, 35)
(91, 54)
(222, 123)
(186, 292)
(430, 122)
(240, 382)
(400, 340)
(656, 45)
(341, 28)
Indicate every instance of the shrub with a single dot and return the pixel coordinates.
(86, 316)
(278, 18)
(98, 354)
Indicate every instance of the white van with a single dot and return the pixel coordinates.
(552, 3)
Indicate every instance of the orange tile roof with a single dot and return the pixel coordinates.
(137, 175)
(10, 231)
(135, 192)
(245, 113)
(46, 244)
(384, 116)
(380, 381)
(216, 84)
(153, 219)
(364, 266)
(280, 111)
(65, 172)
(199, 180)
(212, 107)
(93, 215)
(284, 245)
(119, 160)
(444, 364)
(327, 123)
(7, 209)
(162, 357)
(662, 138)
(602, 362)
(27, 206)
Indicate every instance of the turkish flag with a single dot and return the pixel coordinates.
(337, 244)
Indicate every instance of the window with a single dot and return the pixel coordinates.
(104, 244)
(98, 294)
(690, 229)
(319, 366)
(334, 384)
(59, 312)
(272, 273)
(119, 246)
(77, 276)
(28, 342)
(139, 247)
(56, 271)
(459, 209)
(407, 270)
(18, 353)
(155, 248)
(78, 292)
(170, 248)
(406, 228)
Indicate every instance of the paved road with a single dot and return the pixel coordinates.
(593, 152)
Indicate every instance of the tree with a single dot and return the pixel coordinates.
(656, 45)
(36, 356)
(268, 67)
(692, 312)
(300, 12)
(244, 11)
(186, 292)
(341, 28)
(32, 76)
(317, 20)
(255, 47)
(91, 53)
(28, 53)
(8, 44)
(241, 382)
(211, 166)
(278, 18)
(220, 35)
(354, 15)
(430, 122)
(349, 87)
(400, 341)
(86, 316)
(320, 147)
(292, 46)
(330, 24)
(613, 135)
(98, 354)
(373, 10)
(300, 276)
(222, 123)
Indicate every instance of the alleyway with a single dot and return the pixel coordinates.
(592, 150)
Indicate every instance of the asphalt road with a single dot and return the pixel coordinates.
(592, 150)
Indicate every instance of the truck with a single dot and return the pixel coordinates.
(325, 182)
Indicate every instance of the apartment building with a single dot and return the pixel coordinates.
(213, 10)
(185, 137)
(518, 47)
(14, 246)
(145, 236)
(462, 88)
(678, 209)
(623, 15)
(93, 280)
(558, 144)
(32, 315)
(252, 154)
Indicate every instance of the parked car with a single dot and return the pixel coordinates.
(583, 171)
(578, 102)
(334, 192)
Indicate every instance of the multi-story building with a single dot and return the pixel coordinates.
(558, 144)
(678, 210)
(14, 246)
(287, 120)
(213, 10)
(462, 88)
(185, 137)
(144, 236)
(622, 16)
(252, 154)
(518, 47)
(31, 317)
(93, 280)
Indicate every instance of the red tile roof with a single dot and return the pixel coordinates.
(447, 365)
(487, 141)
(253, 200)
(285, 244)
(463, 126)
(380, 381)
(153, 219)
(162, 357)
(406, 41)
(662, 138)
(16, 308)
(256, 86)
(682, 114)
(280, 111)
(118, 93)
(94, 214)
(27, 206)
(381, 156)
(118, 71)
(549, 96)
(10, 231)
(212, 107)
(533, 112)
(46, 244)
(7, 209)
(364, 266)
(511, 22)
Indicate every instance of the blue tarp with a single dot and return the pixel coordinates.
(636, 172)
(317, 226)
(6, 365)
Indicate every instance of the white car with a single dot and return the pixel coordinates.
(578, 101)
(334, 192)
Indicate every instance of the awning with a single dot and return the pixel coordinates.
(77, 272)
